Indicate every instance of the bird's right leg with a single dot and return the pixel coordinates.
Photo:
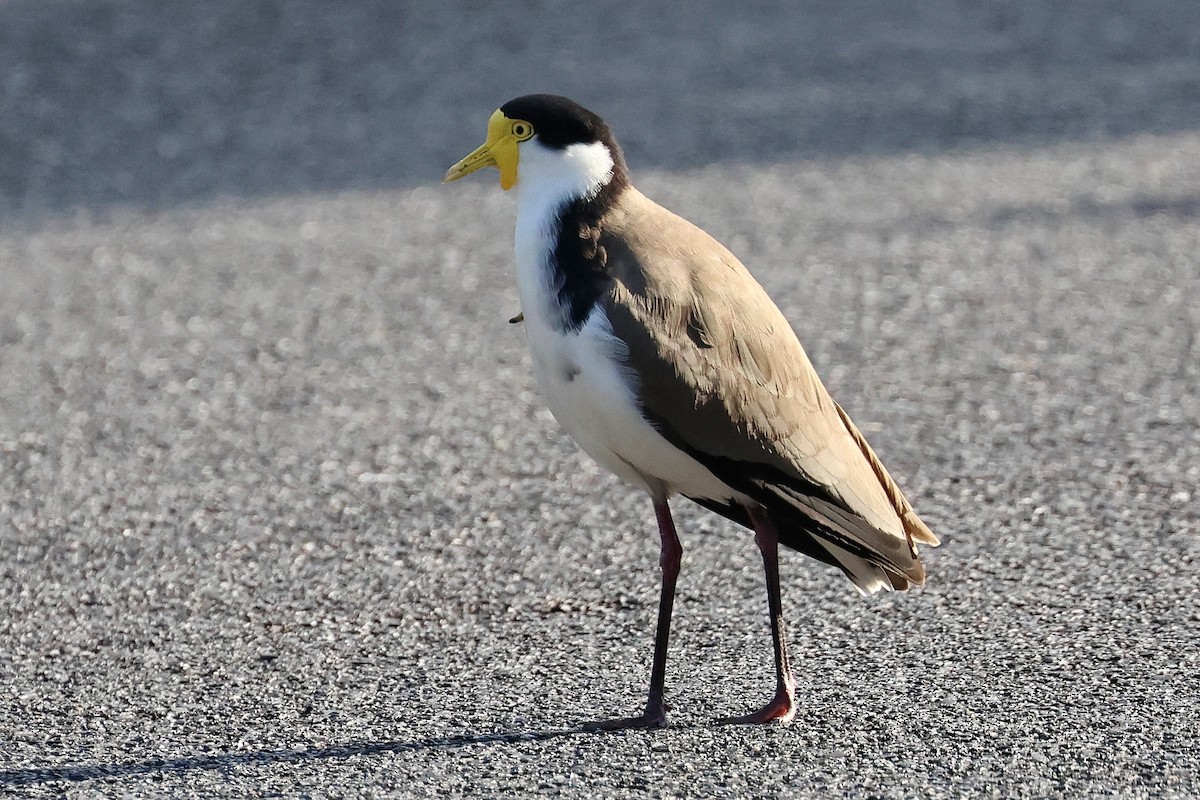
(655, 715)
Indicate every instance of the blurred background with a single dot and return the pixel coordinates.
(155, 104)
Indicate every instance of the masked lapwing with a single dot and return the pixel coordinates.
(670, 366)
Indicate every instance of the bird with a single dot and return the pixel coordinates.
(667, 362)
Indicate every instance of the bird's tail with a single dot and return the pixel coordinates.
(872, 559)
(869, 570)
(820, 524)
(917, 530)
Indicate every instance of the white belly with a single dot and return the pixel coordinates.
(593, 397)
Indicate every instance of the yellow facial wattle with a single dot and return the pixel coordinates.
(501, 150)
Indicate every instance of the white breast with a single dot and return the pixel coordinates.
(581, 374)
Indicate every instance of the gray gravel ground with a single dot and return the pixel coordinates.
(281, 513)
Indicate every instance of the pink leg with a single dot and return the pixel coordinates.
(655, 715)
(783, 705)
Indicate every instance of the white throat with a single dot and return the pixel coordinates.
(546, 177)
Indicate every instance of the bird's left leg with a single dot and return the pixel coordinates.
(783, 705)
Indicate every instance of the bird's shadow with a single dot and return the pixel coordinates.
(34, 775)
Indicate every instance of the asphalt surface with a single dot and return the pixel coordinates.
(281, 512)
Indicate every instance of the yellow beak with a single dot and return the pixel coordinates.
(500, 151)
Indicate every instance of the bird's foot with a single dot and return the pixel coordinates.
(655, 716)
(782, 708)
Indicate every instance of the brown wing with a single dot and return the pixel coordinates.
(723, 375)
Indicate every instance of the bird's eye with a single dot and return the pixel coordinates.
(522, 130)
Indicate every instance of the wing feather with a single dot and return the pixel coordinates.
(723, 376)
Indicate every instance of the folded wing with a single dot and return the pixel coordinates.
(723, 376)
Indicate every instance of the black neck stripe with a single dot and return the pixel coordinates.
(579, 263)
